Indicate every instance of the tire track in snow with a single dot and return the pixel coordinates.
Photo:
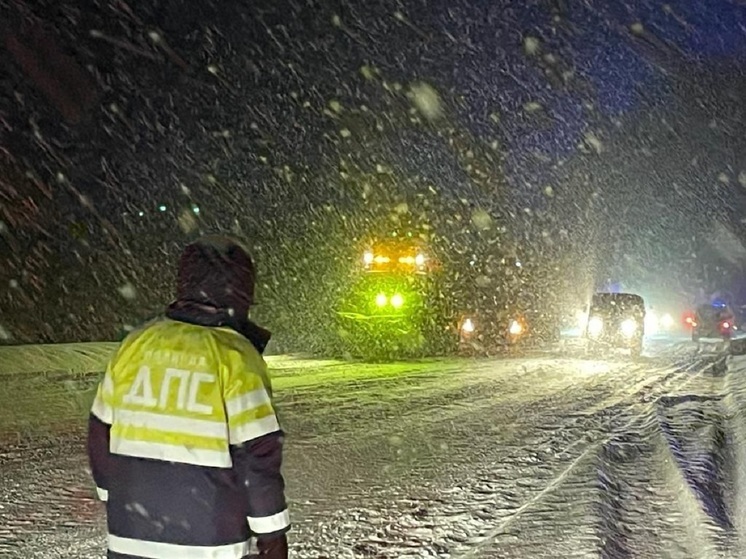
(587, 453)
(495, 386)
(467, 506)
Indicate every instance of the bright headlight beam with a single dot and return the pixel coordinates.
(652, 322)
(468, 326)
(595, 326)
(515, 328)
(368, 257)
(381, 300)
(397, 301)
(582, 319)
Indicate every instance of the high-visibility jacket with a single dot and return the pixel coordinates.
(185, 445)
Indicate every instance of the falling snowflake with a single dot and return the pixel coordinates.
(187, 220)
(483, 281)
(593, 142)
(531, 45)
(367, 72)
(128, 291)
(481, 220)
(427, 100)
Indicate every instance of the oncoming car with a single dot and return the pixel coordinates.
(507, 328)
(616, 320)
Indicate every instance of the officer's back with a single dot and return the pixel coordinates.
(184, 442)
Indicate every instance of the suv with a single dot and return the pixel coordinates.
(713, 321)
(616, 320)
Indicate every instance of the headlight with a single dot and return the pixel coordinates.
(467, 327)
(419, 260)
(515, 328)
(381, 300)
(628, 328)
(368, 258)
(595, 326)
(397, 301)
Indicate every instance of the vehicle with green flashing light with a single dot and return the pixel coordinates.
(616, 320)
(394, 306)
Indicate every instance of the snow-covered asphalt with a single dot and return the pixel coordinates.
(540, 455)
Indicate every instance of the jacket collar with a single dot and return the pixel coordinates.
(201, 314)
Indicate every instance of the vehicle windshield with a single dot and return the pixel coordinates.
(710, 312)
(615, 304)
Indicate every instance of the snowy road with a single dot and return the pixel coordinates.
(533, 456)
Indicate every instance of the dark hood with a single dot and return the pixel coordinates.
(218, 272)
(215, 287)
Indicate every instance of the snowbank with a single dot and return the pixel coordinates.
(735, 406)
(55, 358)
(91, 357)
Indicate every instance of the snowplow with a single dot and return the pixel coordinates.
(394, 305)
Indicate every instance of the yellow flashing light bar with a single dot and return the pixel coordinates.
(369, 258)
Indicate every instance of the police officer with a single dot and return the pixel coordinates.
(183, 441)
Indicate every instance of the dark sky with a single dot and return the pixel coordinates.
(230, 106)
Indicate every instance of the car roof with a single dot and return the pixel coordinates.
(618, 297)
